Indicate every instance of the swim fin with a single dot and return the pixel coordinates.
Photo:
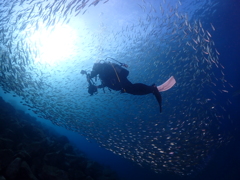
(167, 85)
(163, 87)
(158, 96)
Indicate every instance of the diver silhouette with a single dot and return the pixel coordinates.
(114, 76)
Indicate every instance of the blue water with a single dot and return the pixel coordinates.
(112, 29)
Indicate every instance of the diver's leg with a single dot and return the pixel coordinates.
(138, 89)
(142, 89)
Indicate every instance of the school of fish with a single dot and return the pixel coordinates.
(163, 41)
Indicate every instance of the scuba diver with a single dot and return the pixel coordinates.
(114, 76)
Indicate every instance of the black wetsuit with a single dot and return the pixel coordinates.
(114, 77)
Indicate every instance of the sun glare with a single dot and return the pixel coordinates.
(56, 45)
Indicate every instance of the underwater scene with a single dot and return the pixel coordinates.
(119, 89)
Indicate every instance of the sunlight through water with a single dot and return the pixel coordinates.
(54, 46)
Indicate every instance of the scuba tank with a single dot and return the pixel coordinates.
(122, 72)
